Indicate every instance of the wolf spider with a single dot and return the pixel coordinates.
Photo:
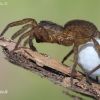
(74, 32)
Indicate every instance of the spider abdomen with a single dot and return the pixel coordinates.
(81, 28)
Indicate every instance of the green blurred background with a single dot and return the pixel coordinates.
(20, 83)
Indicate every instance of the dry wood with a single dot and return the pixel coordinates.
(49, 68)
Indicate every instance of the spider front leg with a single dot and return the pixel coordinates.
(41, 35)
(29, 41)
(22, 30)
(33, 23)
(26, 42)
(31, 37)
(32, 31)
(38, 32)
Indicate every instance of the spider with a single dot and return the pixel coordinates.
(74, 32)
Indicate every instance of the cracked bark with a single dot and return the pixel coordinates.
(49, 68)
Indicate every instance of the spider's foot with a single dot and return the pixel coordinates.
(73, 74)
(33, 48)
(12, 51)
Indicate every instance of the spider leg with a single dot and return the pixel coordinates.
(75, 48)
(38, 32)
(29, 40)
(32, 31)
(96, 68)
(19, 32)
(97, 46)
(93, 70)
(86, 74)
(71, 52)
(31, 37)
(17, 23)
(26, 42)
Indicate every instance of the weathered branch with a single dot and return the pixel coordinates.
(49, 68)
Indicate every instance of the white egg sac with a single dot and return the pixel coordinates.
(88, 58)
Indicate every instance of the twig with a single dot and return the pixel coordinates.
(49, 68)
